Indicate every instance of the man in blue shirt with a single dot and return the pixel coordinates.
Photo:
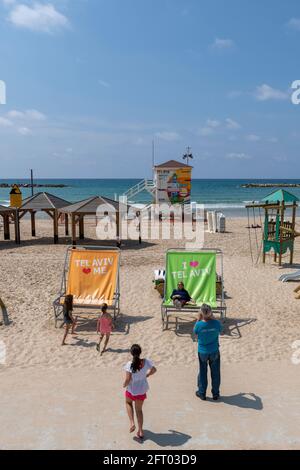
(208, 330)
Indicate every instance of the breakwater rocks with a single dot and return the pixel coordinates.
(271, 185)
(28, 185)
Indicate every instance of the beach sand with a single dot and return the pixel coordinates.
(262, 318)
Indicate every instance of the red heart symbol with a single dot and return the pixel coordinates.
(194, 264)
(86, 270)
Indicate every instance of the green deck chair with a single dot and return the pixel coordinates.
(197, 270)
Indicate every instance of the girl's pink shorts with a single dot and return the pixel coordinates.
(135, 397)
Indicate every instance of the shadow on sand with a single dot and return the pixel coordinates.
(169, 439)
(232, 326)
(243, 400)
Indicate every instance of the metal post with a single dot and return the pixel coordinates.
(31, 182)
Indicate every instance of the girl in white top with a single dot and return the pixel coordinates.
(137, 372)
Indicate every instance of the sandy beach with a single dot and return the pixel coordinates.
(262, 318)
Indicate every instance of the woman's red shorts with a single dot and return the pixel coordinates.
(135, 397)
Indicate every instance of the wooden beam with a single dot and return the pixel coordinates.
(32, 215)
(55, 226)
(6, 227)
(81, 227)
(118, 228)
(49, 212)
(17, 228)
(66, 225)
(73, 221)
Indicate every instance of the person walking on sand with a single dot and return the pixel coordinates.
(137, 372)
(69, 321)
(105, 327)
(208, 330)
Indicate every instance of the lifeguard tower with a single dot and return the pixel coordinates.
(279, 232)
(172, 181)
(171, 184)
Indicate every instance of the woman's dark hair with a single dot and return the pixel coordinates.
(69, 302)
(104, 308)
(136, 351)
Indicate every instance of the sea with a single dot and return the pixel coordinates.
(225, 195)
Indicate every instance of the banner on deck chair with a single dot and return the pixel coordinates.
(198, 273)
(93, 275)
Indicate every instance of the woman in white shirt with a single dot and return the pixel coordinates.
(137, 372)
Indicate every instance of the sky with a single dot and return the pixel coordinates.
(90, 83)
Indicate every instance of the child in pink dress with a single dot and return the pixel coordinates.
(105, 327)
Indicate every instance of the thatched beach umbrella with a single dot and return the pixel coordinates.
(89, 207)
(48, 203)
(7, 214)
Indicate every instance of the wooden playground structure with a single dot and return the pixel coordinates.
(279, 228)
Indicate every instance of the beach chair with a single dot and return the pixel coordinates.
(295, 276)
(198, 271)
(91, 275)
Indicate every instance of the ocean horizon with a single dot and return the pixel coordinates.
(226, 195)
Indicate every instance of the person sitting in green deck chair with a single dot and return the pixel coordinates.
(180, 296)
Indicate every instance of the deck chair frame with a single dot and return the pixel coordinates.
(57, 306)
(189, 310)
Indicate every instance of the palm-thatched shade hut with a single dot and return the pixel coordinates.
(90, 207)
(48, 203)
(9, 213)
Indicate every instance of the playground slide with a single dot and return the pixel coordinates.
(295, 276)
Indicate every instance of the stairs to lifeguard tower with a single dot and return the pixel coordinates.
(144, 185)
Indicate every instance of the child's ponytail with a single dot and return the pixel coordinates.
(136, 351)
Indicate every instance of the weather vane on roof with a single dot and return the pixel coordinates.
(188, 155)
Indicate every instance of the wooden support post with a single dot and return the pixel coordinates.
(17, 228)
(118, 228)
(6, 227)
(32, 215)
(55, 226)
(81, 227)
(139, 215)
(281, 232)
(265, 234)
(73, 229)
(293, 229)
(67, 225)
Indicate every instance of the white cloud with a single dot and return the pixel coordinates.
(38, 17)
(8, 2)
(168, 136)
(24, 131)
(104, 83)
(213, 123)
(210, 126)
(5, 122)
(31, 114)
(252, 138)
(231, 124)
(238, 156)
(266, 92)
(206, 131)
(222, 44)
(294, 23)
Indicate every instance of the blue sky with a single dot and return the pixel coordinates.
(90, 83)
